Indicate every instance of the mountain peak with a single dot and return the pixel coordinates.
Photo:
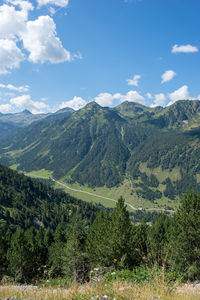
(26, 112)
(92, 105)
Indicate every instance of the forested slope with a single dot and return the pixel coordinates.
(156, 149)
(25, 203)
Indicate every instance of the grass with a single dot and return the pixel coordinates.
(115, 290)
(161, 174)
(39, 174)
(126, 189)
(85, 193)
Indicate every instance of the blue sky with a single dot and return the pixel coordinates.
(58, 53)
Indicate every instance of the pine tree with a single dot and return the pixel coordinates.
(110, 240)
(97, 246)
(56, 251)
(121, 236)
(74, 255)
(157, 240)
(19, 257)
(185, 241)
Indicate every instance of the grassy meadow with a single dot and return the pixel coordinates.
(116, 290)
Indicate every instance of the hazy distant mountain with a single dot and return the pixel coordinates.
(12, 122)
(157, 147)
(25, 117)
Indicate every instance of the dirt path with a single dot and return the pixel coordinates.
(110, 199)
(92, 194)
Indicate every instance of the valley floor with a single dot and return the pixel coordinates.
(104, 291)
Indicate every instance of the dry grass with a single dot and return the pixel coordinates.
(113, 290)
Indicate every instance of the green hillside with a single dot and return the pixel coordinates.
(25, 203)
(154, 149)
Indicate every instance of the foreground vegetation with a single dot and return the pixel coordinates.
(115, 290)
(50, 238)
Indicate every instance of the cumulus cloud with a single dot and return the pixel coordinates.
(5, 108)
(76, 103)
(41, 40)
(25, 102)
(184, 49)
(106, 99)
(149, 95)
(168, 75)
(12, 21)
(20, 89)
(39, 37)
(134, 80)
(132, 96)
(159, 100)
(10, 56)
(180, 94)
(60, 3)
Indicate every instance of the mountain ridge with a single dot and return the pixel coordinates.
(100, 146)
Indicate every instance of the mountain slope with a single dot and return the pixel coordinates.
(13, 122)
(155, 148)
(26, 118)
(25, 203)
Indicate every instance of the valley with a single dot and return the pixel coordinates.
(142, 153)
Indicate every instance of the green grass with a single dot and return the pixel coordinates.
(46, 174)
(96, 195)
(14, 167)
(161, 174)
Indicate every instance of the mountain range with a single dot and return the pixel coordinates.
(12, 122)
(155, 149)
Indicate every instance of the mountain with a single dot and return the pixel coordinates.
(10, 122)
(25, 203)
(156, 150)
(26, 118)
(6, 128)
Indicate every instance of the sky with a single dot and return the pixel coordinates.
(66, 53)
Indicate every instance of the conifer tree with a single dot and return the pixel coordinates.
(121, 236)
(110, 241)
(74, 255)
(19, 257)
(185, 241)
(157, 240)
(97, 246)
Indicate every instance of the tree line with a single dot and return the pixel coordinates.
(112, 241)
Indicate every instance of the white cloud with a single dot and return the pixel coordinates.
(52, 11)
(60, 3)
(76, 103)
(25, 102)
(5, 108)
(132, 96)
(106, 99)
(41, 40)
(134, 81)
(20, 89)
(149, 95)
(168, 75)
(39, 37)
(12, 21)
(184, 49)
(180, 94)
(10, 56)
(159, 100)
